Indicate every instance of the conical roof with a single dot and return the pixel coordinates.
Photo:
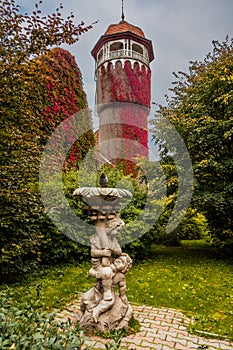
(122, 27)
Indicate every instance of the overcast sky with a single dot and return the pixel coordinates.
(180, 30)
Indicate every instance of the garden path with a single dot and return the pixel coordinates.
(161, 329)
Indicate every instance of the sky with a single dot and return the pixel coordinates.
(180, 30)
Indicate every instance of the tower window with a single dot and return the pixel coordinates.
(137, 48)
(100, 54)
(116, 46)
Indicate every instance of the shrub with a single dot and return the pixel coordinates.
(27, 327)
(193, 226)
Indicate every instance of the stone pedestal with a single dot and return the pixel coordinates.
(116, 316)
(105, 306)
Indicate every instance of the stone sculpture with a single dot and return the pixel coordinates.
(102, 308)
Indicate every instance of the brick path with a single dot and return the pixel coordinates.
(161, 329)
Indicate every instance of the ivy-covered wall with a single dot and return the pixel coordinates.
(126, 88)
(124, 83)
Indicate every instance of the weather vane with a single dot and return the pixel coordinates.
(122, 11)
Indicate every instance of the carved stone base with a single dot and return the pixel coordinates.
(103, 315)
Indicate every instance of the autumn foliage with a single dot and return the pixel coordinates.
(40, 87)
(63, 97)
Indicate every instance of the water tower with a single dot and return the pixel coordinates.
(123, 92)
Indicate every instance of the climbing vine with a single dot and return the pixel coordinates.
(125, 83)
(129, 83)
(63, 97)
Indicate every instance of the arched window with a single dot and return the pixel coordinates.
(137, 48)
(116, 46)
(100, 54)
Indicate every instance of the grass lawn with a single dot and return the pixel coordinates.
(191, 278)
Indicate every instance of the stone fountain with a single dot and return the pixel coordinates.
(105, 306)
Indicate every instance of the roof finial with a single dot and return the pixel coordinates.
(122, 11)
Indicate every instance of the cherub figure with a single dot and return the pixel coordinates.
(93, 304)
(102, 256)
(119, 267)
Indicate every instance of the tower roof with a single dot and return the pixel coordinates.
(123, 30)
(122, 27)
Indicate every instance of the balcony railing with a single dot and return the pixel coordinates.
(113, 55)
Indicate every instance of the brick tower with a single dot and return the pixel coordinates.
(123, 90)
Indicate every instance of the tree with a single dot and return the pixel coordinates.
(201, 110)
(62, 96)
(24, 38)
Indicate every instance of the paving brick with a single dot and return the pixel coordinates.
(182, 342)
(98, 346)
(169, 317)
(213, 342)
(135, 341)
(157, 321)
(156, 347)
(147, 308)
(181, 327)
(171, 338)
(145, 343)
(161, 329)
(179, 331)
(158, 327)
(89, 343)
(141, 319)
(161, 335)
(147, 321)
(164, 342)
(133, 347)
(141, 334)
(179, 346)
(146, 328)
(223, 346)
(181, 336)
(192, 345)
(166, 324)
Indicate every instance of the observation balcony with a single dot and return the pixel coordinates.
(122, 54)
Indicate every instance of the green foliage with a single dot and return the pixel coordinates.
(117, 336)
(134, 326)
(147, 214)
(26, 326)
(31, 239)
(27, 235)
(159, 197)
(193, 226)
(201, 111)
